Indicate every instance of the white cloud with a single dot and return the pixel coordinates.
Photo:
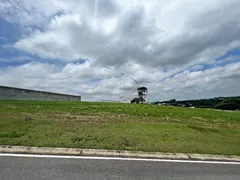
(154, 39)
(218, 81)
(104, 84)
(193, 32)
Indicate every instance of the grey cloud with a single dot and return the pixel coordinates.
(134, 33)
(180, 49)
(107, 8)
(103, 8)
(186, 48)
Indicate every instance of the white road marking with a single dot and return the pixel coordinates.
(116, 158)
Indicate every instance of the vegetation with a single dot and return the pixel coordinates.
(229, 104)
(119, 126)
(224, 103)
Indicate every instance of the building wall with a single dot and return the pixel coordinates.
(11, 93)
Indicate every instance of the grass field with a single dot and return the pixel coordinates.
(120, 126)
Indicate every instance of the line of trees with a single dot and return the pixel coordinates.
(229, 104)
(224, 103)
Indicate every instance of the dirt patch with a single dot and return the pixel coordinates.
(11, 106)
(200, 118)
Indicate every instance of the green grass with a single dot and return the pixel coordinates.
(120, 126)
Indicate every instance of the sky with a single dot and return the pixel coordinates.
(105, 49)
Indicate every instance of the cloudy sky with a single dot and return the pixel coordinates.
(181, 49)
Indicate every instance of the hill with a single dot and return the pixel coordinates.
(140, 127)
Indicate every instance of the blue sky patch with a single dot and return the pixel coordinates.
(10, 32)
(233, 52)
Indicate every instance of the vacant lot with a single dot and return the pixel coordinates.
(119, 126)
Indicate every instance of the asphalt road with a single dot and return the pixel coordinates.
(38, 168)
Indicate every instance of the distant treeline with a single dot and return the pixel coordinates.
(224, 103)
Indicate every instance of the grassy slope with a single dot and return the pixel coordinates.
(120, 126)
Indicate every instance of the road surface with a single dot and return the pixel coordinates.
(54, 168)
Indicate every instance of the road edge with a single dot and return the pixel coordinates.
(114, 153)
